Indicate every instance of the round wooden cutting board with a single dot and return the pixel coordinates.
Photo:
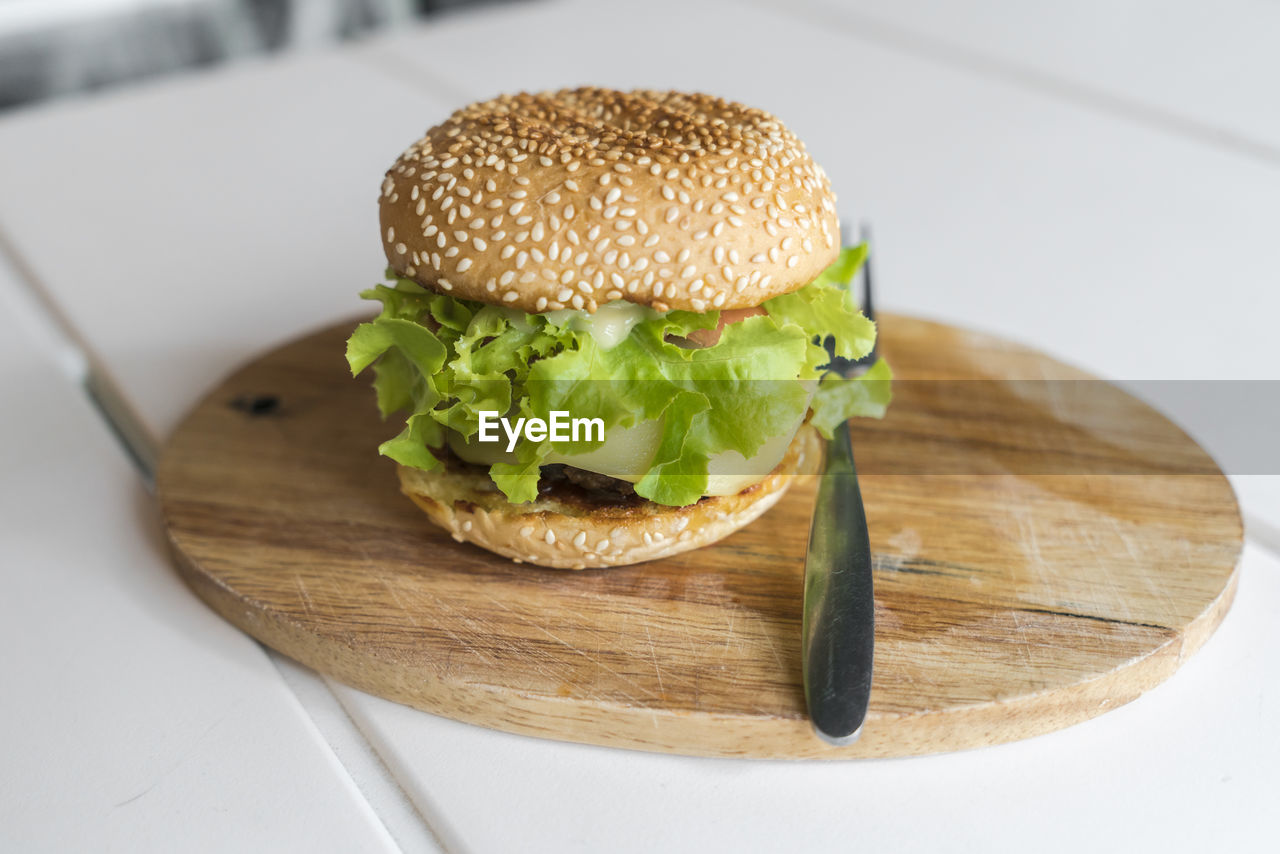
(1046, 548)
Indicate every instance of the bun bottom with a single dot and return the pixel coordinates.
(563, 530)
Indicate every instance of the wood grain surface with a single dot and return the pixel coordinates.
(1046, 548)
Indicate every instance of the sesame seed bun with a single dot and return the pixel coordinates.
(565, 534)
(576, 198)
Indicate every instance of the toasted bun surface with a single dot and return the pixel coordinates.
(571, 535)
(576, 198)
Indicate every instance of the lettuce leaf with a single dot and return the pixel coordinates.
(445, 360)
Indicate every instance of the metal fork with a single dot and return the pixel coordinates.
(839, 608)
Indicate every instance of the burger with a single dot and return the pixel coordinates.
(607, 320)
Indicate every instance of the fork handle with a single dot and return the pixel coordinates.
(839, 606)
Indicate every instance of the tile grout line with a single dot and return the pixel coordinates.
(435, 822)
(75, 359)
(79, 364)
(1261, 532)
(390, 64)
(378, 773)
(904, 40)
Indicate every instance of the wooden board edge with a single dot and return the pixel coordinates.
(717, 736)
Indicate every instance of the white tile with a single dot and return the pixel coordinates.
(1207, 70)
(185, 226)
(133, 718)
(202, 221)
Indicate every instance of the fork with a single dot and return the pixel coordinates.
(838, 633)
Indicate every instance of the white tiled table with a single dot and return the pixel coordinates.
(1079, 200)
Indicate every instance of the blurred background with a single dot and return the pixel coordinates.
(50, 48)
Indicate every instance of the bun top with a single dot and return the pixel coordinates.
(576, 198)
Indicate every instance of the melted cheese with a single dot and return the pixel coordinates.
(610, 325)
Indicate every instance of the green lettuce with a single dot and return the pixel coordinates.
(444, 360)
